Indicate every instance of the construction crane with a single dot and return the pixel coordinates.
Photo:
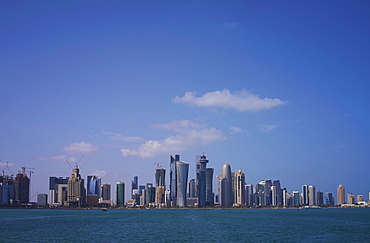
(158, 164)
(33, 196)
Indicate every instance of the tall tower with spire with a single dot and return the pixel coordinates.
(201, 180)
(76, 189)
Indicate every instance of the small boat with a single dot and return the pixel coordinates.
(104, 209)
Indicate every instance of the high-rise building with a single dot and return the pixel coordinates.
(305, 195)
(201, 165)
(279, 193)
(329, 199)
(76, 189)
(182, 170)
(173, 179)
(135, 191)
(160, 185)
(296, 198)
(160, 177)
(360, 198)
(287, 198)
(150, 193)
(226, 186)
(249, 195)
(105, 191)
(120, 194)
(58, 192)
(93, 185)
(7, 189)
(311, 195)
(134, 186)
(143, 200)
(320, 198)
(22, 188)
(273, 195)
(350, 198)
(210, 196)
(218, 188)
(160, 195)
(263, 190)
(192, 188)
(239, 188)
(340, 195)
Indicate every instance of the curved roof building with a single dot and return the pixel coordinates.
(226, 186)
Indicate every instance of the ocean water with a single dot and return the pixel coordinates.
(185, 225)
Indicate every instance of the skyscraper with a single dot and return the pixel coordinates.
(93, 185)
(22, 188)
(320, 198)
(263, 190)
(249, 195)
(218, 188)
(55, 190)
(239, 188)
(120, 194)
(340, 195)
(150, 193)
(135, 192)
(160, 177)
(278, 192)
(296, 198)
(201, 180)
(182, 169)
(160, 185)
(192, 188)
(105, 191)
(76, 189)
(305, 195)
(210, 196)
(350, 198)
(329, 200)
(173, 179)
(311, 195)
(226, 186)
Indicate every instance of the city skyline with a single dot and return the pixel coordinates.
(278, 90)
(72, 192)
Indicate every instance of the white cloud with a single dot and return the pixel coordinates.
(235, 130)
(99, 173)
(239, 101)
(120, 137)
(267, 128)
(231, 25)
(58, 158)
(81, 147)
(189, 135)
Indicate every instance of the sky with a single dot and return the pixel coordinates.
(278, 89)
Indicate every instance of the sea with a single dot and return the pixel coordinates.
(185, 225)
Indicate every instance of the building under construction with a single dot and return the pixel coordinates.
(15, 190)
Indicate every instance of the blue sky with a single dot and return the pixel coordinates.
(277, 89)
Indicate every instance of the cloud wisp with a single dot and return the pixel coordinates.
(121, 138)
(239, 101)
(82, 147)
(58, 158)
(189, 135)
